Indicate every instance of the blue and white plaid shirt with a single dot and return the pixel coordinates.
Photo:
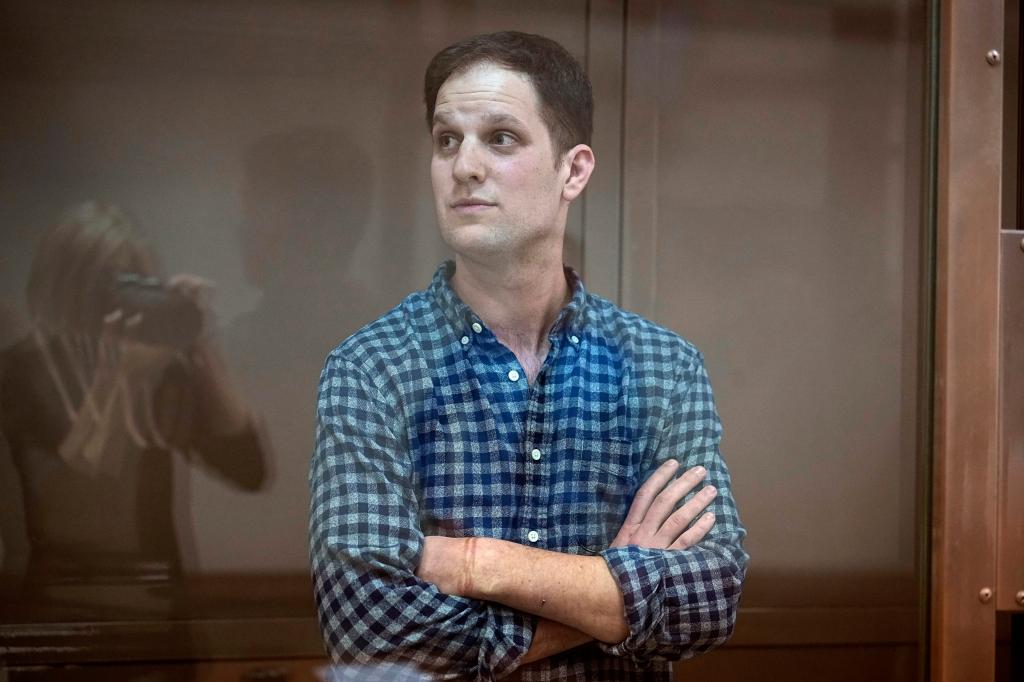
(426, 425)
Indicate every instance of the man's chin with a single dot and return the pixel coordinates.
(477, 241)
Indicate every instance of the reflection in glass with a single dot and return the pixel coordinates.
(117, 378)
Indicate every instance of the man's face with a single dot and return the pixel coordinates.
(496, 188)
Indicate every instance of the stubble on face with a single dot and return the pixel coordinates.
(497, 189)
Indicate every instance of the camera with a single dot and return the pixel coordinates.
(168, 317)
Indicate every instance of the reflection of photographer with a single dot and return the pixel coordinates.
(152, 338)
(119, 373)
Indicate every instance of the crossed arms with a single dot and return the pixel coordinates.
(577, 596)
(481, 607)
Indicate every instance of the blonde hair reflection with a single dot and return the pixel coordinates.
(106, 383)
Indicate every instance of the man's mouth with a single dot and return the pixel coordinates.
(471, 205)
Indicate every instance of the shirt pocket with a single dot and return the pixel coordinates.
(591, 494)
(465, 483)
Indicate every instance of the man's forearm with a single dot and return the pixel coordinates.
(577, 591)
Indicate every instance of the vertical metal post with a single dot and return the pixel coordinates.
(966, 400)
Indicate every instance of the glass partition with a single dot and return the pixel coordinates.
(199, 200)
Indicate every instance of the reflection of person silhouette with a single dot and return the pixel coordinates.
(306, 196)
(305, 199)
(116, 376)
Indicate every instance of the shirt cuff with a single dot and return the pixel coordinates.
(507, 638)
(639, 573)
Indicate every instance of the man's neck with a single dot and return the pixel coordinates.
(519, 304)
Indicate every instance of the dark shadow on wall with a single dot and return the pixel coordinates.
(306, 199)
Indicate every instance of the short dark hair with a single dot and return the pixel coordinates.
(566, 99)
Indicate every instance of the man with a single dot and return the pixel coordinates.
(476, 507)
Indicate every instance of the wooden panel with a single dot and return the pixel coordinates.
(891, 663)
(732, 664)
(255, 670)
(966, 342)
(1011, 474)
(61, 644)
(819, 626)
(78, 643)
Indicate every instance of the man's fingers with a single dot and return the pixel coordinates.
(696, 532)
(649, 491)
(653, 520)
(676, 523)
(668, 498)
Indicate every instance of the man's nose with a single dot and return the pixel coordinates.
(469, 165)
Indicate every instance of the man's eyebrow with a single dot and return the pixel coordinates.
(441, 119)
(502, 119)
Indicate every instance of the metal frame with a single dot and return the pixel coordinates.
(966, 454)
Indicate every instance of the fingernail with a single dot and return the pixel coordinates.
(671, 463)
(709, 516)
(711, 490)
(701, 471)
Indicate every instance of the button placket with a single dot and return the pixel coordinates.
(536, 442)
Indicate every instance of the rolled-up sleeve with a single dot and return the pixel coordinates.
(680, 603)
(365, 544)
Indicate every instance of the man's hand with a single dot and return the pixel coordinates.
(651, 521)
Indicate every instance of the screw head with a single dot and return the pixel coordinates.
(993, 57)
(985, 595)
(1020, 597)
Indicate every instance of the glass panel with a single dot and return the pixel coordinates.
(247, 184)
(788, 249)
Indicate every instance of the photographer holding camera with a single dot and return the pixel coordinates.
(118, 375)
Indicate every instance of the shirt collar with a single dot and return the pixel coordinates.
(462, 318)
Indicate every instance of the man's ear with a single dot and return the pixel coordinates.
(580, 160)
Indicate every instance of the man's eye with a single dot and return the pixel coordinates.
(504, 139)
(446, 141)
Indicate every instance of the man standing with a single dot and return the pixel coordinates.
(476, 502)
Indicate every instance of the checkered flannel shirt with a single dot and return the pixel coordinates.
(426, 425)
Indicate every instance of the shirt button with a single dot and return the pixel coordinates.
(533, 536)
(477, 328)
(513, 375)
(574, 338)
(465, 340)
(535, 454)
